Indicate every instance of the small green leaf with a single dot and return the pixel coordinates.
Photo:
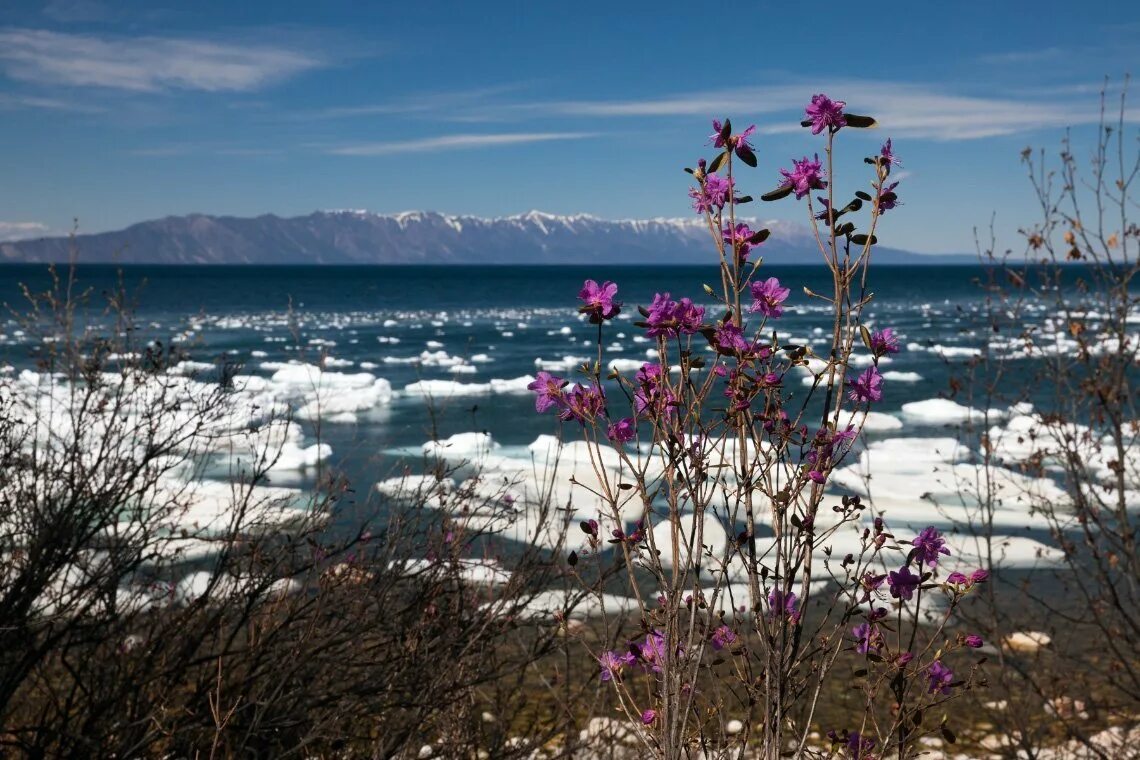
(860, 122)
(572, 559)
(743, 199)
(862, 239)
(780, 192)
(726, 130)
(717, 162)
(865, 334)
(863, 195)
(759, 236)
(745, 154)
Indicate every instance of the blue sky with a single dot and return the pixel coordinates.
(117, 112)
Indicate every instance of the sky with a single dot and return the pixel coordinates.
(112, 113)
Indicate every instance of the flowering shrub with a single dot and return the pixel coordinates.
(744, 602)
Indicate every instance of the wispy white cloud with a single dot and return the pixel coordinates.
(10, 102)
(902, 109)
(452, 142)
(22, 230)
(1024, 56)
(146, 64)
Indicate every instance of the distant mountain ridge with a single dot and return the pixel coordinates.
(422, 237)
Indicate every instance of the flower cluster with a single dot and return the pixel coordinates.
(645, 656)
(825, 113)
(668, 319)
(582, 403)
(867, 387)
(768, 297)
(598, 301)
(806, 175)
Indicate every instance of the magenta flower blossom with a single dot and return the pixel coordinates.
(622, 431)
(549, 390)
(889, 199)
(652, 651)
(648, 716)
(669, 319)
(722, 637)
(868, 638)
(903, 583)
(653, 392)
(781, 605)
(729, 339)
(583, 404)
(974, 641)
(884, 342)
(867, 387)
(768, 297)
(712, 195)
(928, 545)
(737, 239)
(824, 113)
(805, 176)
(613, 664)
(940, 677)
(738, 143)
(824, 204)
(957, 579)
(718, 189)
(979, 576)
(887, 154)
(859, 747)
(598, 301)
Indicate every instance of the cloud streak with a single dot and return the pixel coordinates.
(902, 109)
(22, 230)
(452, 142)
(146, 64)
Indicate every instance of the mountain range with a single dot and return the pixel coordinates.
(423, 237)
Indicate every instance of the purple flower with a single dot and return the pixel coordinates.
(884, 342)
(613, 664)
(957, 579)
(903, 583)
(738, 143)
(940, 677)
(652, 651)
(712, 195)
(781, 605)
(583, 403)
(867, 387)
(868, 637)
(979, 576)
(928, 544)
(974, 641)
(729, 339)
(888, 199)
(737, 238)
(648, 716)
(598, 301)
(722, 637)
(887, 155)
(825, 204)
(622, 431)
(549, 390)
(768, 297)
(805, 176)
(653, 392)
(669, 319)
(825, 113)
(858, 747)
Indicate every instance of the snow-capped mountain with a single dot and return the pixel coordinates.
(419, 237)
